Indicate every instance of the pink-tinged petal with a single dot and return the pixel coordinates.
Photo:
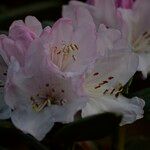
(129, 25)
(34, 25)
(17, 23)
(103, 12)
(86, 44)
(141, 13)
(110, 40)
(91, 2)
(45, 35)
(40, 55)
(131, 109)
(19, 38)
(12, 48)
(80, 16)
(100, 3)
(128, 4)
(23, 83)
(69, 110)
(22, 36)
(37, 124)
(87, 51)
(62, 31)
(13, 69)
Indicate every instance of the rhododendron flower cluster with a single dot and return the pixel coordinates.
(81, 63)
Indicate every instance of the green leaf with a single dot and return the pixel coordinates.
(90, 128)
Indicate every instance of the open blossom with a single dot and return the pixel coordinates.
(138, 32)
(16, 44)
(72, 45)
(115, 65)
(104, 84)
(40, 94)
(102, 11)
(107, 21)
(109, 37)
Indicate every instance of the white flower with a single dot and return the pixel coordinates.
(40, 94)
(104, 84)
(138, 32)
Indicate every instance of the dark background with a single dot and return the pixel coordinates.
(44, 10)
(132, 137)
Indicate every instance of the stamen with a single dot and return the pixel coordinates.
(62, 91)
(73, 57)
(58, 52)
(5, 73)
(112, 91)
(31, 98)
(110, 78)
(95, 74)
(117, 94)
(61, 54)
(142, 42)
(104, 82)
(144, 33)
(96, 87)
(53, 90)
(105, 91)
(47, 85)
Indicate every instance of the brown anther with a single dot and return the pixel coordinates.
(105, 91)
(76, 46)
(73, 57)
(104, 82)
(144, 33)
(62, 91)
(47, 85)
(96, 87)
(95, 74)
(110, 78)
(53, 90)
(72, 47)
(5, 74)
